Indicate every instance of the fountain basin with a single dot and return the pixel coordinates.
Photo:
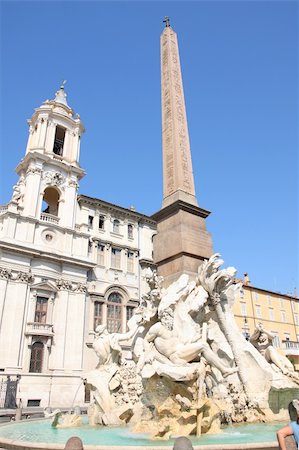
(39, 435)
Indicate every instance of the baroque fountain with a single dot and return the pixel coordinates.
(191, 369)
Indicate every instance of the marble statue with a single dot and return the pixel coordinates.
(18, 191)
(61, 420)
(262, 340)
(104, 380)
(191, 368)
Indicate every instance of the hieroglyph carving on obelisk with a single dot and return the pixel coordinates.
(177, 163)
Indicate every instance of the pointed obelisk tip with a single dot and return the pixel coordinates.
(166, 21)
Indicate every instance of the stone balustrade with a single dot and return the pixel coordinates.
(45, 217)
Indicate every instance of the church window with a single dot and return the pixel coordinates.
(98, 314)
(41, 308)
(116, 224)
(101, 222)
(51, 201)
(101, 255)
(59, 141)
(115, 258)
(130, 262)
(114, 313)
(36, 359)
(130, 231)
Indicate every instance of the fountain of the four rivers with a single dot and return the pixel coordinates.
(192, 370)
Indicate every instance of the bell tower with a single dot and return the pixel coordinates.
(50, 171)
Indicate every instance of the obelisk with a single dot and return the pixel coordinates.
(182, 241)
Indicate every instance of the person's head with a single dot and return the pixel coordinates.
(166, 318)
(294, 410)
(182, 443)
(74, 443)
(263, 337)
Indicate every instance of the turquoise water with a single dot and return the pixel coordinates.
(41, 431)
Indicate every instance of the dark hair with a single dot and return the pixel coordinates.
(293, 413)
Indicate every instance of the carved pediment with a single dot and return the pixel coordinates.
(45, 286)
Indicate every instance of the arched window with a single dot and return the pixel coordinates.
(36, 359)
(116, 226)
(59, 141)
(98, 314)
(114, 313)
(51, 201)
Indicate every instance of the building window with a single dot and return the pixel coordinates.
(243, 309)
(276, 341)
(130, 312)
(101, 255)
(90, 221)
(114, 313)
(296, 319)
(283, 316)
(101, 222)
(130, 231)
(36, 359)
(115, 258)
(89, 246)
(269, 300)
(258, 311)
(98, 314)
(50, 201)
(41, 308)
(130, 262)
(271, 314)
(256, 296)
(241, 293)
(116, 224)
(59, 141)
(281, 302)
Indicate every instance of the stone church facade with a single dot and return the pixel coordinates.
(68, 263)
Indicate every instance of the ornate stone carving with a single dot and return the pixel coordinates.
(191, 357)
(24, 277)
(81, 287)
(54, 178)
(73, 183)
(5, 274)
(33, 170)
(64, 285)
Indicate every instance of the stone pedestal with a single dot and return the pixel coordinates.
(182, 240)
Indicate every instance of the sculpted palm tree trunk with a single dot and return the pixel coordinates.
(216, 282)
(216, 303)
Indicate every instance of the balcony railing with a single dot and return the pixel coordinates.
(44, 329)
(45, 217)
(291, 347)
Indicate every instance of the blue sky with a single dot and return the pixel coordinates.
(239, 64)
